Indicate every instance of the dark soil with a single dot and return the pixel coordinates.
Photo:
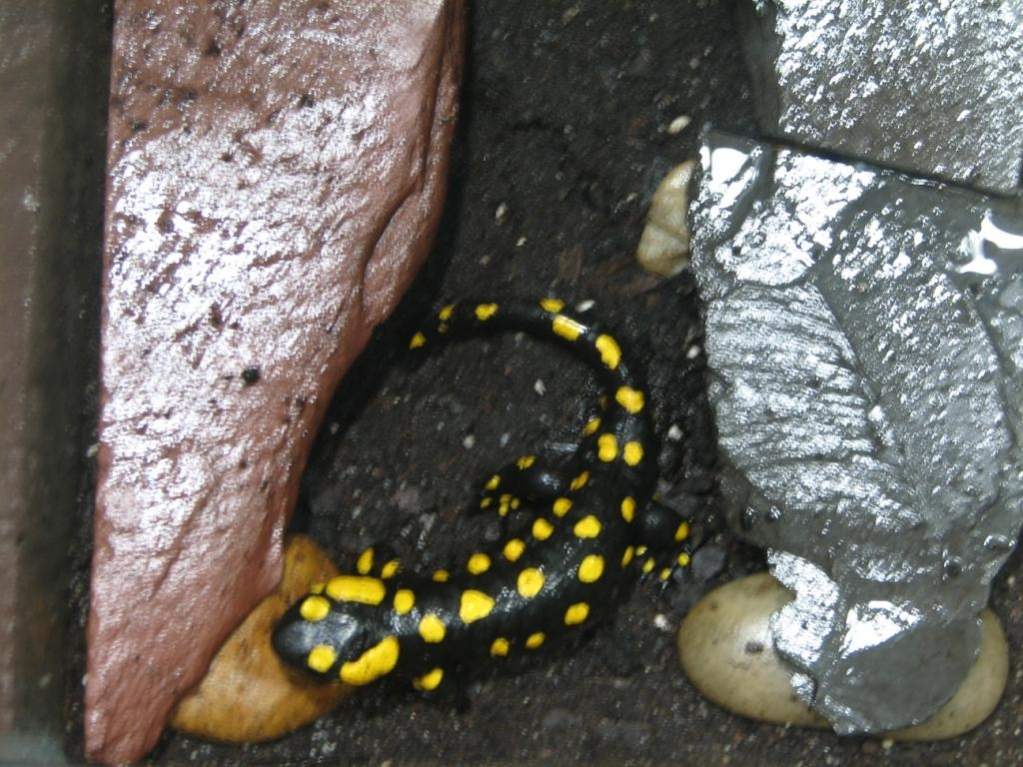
(563, 128)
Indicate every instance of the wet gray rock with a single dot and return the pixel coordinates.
(930, 87)
(865, 330)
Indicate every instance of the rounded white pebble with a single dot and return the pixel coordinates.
(726, 651)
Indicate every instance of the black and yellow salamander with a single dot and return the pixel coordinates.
(594, 530)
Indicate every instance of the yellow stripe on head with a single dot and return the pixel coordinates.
(356, 588)
(321, 658)
(314, 608)
(372, 664)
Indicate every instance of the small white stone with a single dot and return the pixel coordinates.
(675, 432)
(540, 387)
(584, 306)
(501, 214)
(469, 442)
(520, 242)
(679, 124)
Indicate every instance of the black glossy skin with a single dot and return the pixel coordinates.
(563, 546)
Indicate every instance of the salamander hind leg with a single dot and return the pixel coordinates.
(528, 479)
(663, 542)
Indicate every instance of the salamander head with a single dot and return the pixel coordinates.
(321, 636)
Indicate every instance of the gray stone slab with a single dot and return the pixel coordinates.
(931, 87)
(865, 330)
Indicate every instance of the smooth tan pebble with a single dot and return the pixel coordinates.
(726, 651)
(664, 245)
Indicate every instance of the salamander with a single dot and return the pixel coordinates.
(593, 529)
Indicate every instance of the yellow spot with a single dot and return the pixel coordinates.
(535, 640)
(478, 563)
(314, 608)
(561, 506)
(321, 658)
(499, 647)
(591, 427)
(445, 313)
(627, 556)
(526, 461)
(530, 582)
(591, 568)
(607, 447)
(503, 509)
(389, 569)
(580, 481)
(430, 680)
(610, 352)
(681, 532)
(567, 328)
(431, 628)
(372, 664)
(633, 453)
(474, 606)
(640, 550)
(441, 576)
(485, 503)
(683, 559)
(628, 508)
(649, 565)
(404, 601)
(317, 588)
(417, 340)
(629, 398)
(576, 614)
(587, 527)
(365, 561)
(493, 482)
(542, 529)
(515, 503)
(513, 549)
(552, 305)
(665, 573)
(356, 588)
(486, 311)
